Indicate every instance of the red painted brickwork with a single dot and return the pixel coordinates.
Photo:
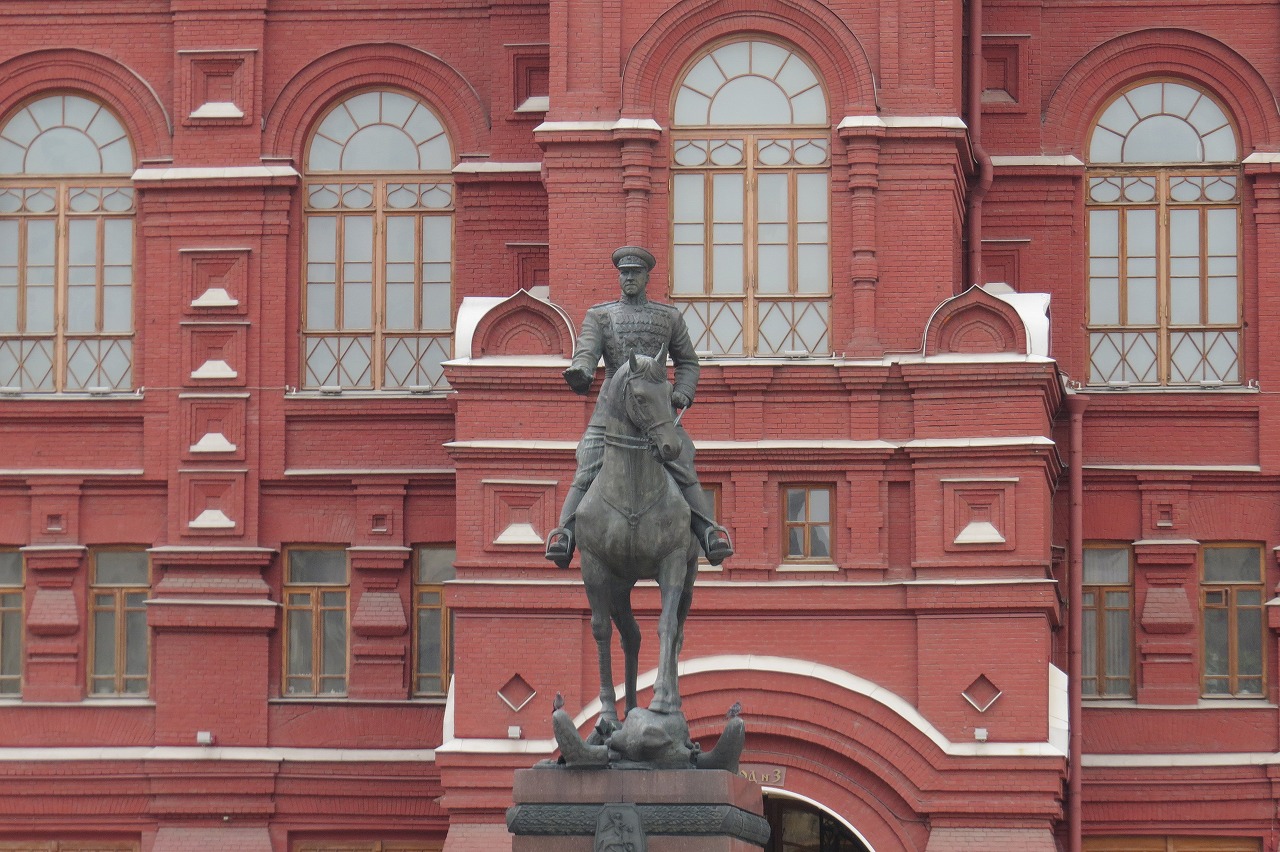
(857, 677)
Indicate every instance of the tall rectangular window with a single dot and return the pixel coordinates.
(10, 622)
(433, 623)
(806, 523)
(378, 289)
(750, 202)
(1232, 600)
(1164, 206)
(1107, 643)
(119, 649)
(317, 586)
(66, 248)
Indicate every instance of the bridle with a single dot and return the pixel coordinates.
(639, 417)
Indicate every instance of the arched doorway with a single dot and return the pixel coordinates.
(800, 825)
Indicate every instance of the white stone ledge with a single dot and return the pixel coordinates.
(619, 124)
(1146, 761)
(214, 173)
(921, 122)
(1179, 468)
(1043, 161)
(489, 167)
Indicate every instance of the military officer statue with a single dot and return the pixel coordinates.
(614, 330)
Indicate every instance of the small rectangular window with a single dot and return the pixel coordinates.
(807, 513)
(317, 588)
(119, 641)
(10, 622)
(433, 623)
(1107, 618)
(1232, 598)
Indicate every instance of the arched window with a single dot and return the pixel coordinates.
(378, 300)
(66, 247)
(750, 202)
(1164, 246)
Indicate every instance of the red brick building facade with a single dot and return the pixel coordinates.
(983, 293)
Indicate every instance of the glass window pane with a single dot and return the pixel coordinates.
(1249, 642)
(1216, 642)
(1089, 646)
(11, 641)
(120, 568)
(820, 542)
(318, 567)
(136, 643)
(819, 505)
(435, 564)
(1232, 564)
(795, 541)
(1104, 301)
(1118, 643)
(1184, 301)
(727, 192)
(10, 568)
(429, 644)
(104, 644)
(1141, 303)
(1106, 566)
(299, 633)
(335, 642)
(796, 504)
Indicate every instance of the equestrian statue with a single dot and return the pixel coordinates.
(636, 511)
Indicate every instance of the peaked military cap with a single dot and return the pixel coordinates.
(633, 256)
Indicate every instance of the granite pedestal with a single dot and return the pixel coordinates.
(678, 810)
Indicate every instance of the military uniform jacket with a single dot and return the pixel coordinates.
(614, 330)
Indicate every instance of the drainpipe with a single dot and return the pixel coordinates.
(982, 182)
(1076, 404)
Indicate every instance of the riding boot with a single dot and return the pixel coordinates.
(560, 541)
(713, 538)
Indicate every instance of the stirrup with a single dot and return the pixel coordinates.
(716, 545)
(560, 546)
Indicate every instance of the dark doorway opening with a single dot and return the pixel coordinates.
(800, 827)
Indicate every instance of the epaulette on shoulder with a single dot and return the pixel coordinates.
(603, 305)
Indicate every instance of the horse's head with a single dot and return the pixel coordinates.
(648, 402)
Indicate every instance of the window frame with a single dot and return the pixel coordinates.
(1101, 635)
(65, 342)
(1165, 330)
(752, 303)
(381, 337)
(316, 609)
(420, 606)
(17, 612)
(121, 609)
(1232, 606)
(806, 525)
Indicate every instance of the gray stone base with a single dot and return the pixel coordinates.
(685, 810)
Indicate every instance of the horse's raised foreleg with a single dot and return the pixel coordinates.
(629, 637)
(599, 596)
(671, 585)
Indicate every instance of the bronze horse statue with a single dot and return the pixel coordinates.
(633, 524)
